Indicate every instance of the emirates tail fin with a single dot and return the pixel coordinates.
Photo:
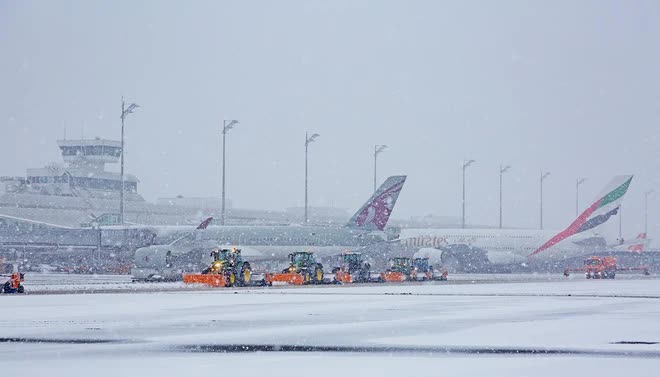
(605, 206)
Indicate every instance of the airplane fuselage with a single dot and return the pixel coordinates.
(503, 246)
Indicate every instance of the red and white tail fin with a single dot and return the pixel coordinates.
(640, 243)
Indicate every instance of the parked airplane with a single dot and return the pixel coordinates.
(637, 245)
(260, 243)
(486, 249)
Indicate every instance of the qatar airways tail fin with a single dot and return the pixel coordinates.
(605, 206)
(374, 214)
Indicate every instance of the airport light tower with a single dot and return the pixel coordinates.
(578, 182)
(378, 149)
(125, 110)
(308, 141)
(544, 175)
(646, 211)
(226, 126)
(502, 171)
(466, 164)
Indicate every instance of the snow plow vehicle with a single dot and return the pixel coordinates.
(422, 271)
(227, 269)
(401, 269)
(303, 269)
(352, 269)
(596, 267)
(13, 285)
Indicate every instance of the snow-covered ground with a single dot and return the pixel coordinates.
(508, 325)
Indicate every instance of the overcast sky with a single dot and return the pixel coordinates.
(571, 87)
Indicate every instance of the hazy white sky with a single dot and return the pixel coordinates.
(572, 87)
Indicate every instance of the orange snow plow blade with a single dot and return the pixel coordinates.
(286, 278)
(343, 277)
(208, 279)
(393, 276)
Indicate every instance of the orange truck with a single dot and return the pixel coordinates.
(596, 267)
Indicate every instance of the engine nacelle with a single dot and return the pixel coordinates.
(463, 258)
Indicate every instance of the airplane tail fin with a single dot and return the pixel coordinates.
(374, 214)
(639, 244)
(204, 223)
(606, 206)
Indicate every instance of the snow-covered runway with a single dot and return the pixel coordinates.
(540, 328)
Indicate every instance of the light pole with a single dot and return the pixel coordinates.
(621, 224)
(466, 164)
(125, 110)
(543, 177)
(308, 140)
(578, 182)
(226, 126)
(646, 211)
(502, 171)
(378, 149)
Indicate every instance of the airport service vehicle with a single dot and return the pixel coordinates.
(423, 271)
(597, 267)
(401, 269)
(226, 270)
(352, 268)
(365, 229)
(303, 269)
(13, 285)
(489, 250)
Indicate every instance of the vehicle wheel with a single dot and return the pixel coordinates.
(21, 289)
(246, 273)
(612, 275)
(366, 276)
(306, 277)
(231, 278)
(318, 275)
(588, 276)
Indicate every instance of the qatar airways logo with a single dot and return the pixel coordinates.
(379, 210)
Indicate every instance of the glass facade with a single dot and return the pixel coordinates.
(90, 183)
(91, 150)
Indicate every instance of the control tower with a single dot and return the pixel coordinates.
(84, 174)
(90, 154)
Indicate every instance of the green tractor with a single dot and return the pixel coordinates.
(352, 268)
(230, 264)
(304, 263)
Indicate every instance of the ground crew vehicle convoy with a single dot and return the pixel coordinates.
(228, 269)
